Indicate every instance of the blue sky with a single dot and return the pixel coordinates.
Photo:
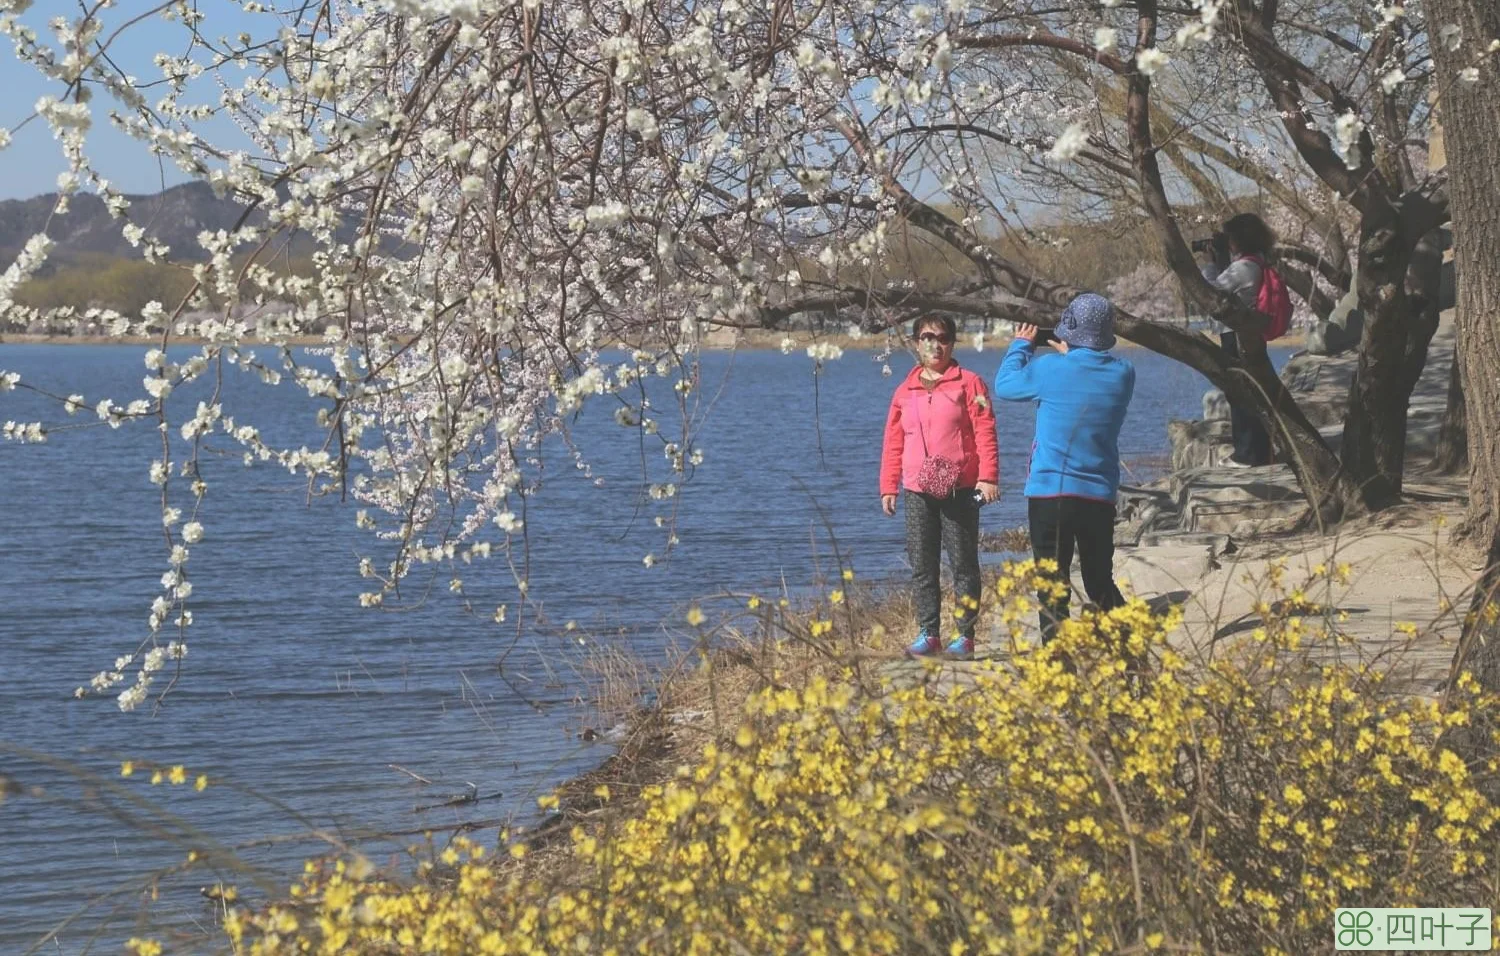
(30, 165)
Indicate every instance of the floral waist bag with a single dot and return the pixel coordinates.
(939, 474)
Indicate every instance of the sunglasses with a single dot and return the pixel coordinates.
(940, 338)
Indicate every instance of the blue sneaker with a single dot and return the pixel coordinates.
(924, 646)
(961, 648)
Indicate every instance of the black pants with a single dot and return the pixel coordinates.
(932, 526)
(1057, 526)
(1252, 444)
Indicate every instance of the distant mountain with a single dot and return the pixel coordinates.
(174, 216)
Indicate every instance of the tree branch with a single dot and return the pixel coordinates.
(1049, 40)
(1098, 159)
(1301, 282)
(1339, 278)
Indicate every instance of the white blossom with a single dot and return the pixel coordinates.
(132, 698)
(1073, 141)
(24, 432)
(1347, 130)
(508, 522)
(1151, 60)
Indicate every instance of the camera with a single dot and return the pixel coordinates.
(1218, 244)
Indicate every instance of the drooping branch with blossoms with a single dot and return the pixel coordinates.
(503, 195)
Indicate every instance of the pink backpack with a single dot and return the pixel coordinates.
(1274, 300)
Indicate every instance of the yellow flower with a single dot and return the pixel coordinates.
(827, 773)
(201, 783)
(127, 768)
(177, 774)
(694, 616)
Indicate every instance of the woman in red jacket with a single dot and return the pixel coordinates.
(940, 449)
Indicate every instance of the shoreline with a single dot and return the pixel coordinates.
(748, 342)
(697, 699)
(761, 341)
(1202, 570)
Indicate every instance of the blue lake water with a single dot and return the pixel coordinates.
(296, 694)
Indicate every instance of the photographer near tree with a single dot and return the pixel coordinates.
(1236, 263)
(1082, 394)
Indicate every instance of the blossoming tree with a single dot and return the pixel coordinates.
(501, 193)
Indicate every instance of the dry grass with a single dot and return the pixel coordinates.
(1010, 541)
(665, 715)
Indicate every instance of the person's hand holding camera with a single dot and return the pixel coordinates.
(1213, 251)
(1030, 333)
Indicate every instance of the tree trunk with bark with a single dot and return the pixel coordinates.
(1471, 133)
(1424, 286)
(1452, 454)
(1374, 447)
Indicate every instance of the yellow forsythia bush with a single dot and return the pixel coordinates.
(1059, 802)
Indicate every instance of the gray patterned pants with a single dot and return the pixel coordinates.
(934, 525)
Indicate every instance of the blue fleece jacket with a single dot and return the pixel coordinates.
(1081, 400)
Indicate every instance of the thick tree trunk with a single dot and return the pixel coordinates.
(1452, 454)
(1424, 288)
(1471, 135)
(1374, 447)
(1424, 285)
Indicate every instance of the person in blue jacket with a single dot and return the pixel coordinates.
(1082, 394)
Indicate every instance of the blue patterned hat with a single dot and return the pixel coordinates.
(1088, 323)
